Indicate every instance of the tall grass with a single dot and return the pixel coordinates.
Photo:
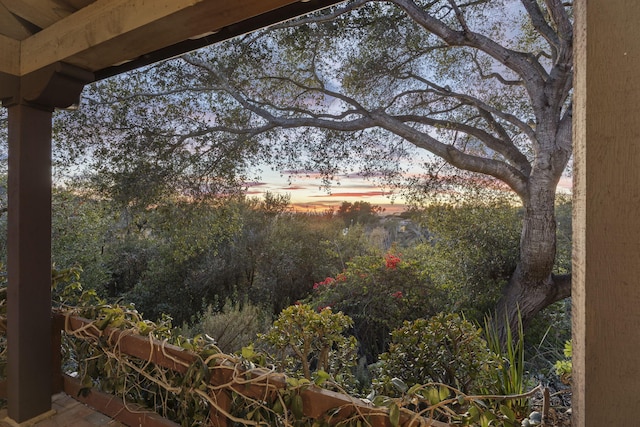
(511, 374)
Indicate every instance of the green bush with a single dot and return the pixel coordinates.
(445, 349)
(472, 252)
(303, 341)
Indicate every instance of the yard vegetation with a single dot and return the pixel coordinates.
(383, 308)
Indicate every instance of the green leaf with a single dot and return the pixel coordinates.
(414, 389)
(321, 377)
(399, 384)
(277, 407)
(486, 418)
(474, 413)
(394, 415)
(248, 352)
(433, 395)
(380, 401)
(297, 406)
(443, 393)
(507, 412)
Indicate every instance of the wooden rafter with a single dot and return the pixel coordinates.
(108, 32)
(42, 13)
(12, 26)
(9, 55)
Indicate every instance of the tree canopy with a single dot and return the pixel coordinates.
(480, 88)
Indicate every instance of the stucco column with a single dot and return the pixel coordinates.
(606, 257)
(30, 101)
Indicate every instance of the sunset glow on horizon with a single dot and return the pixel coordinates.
(308, 194)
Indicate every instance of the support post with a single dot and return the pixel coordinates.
(606, 236)
(30, 101)
(29, 263)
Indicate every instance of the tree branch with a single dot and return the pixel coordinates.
(525, 65)
(503, 147)
(481, 105)
(540, 24)
(501, 170)
(561, 19)
(311, 19)
(494, 75)
(459, 16)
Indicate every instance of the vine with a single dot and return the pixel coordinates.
(205, 386)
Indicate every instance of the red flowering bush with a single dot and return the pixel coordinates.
(325, 282)
(391, 261)
(378, 293)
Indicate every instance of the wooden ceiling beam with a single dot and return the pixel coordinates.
(42, 13)
(11, 26)
(109, 32)
(79, 4)
(243, 27)
(91, 27)
(9, 55)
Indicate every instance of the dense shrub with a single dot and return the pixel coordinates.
(243, 250)
(302, 341)
(472, 252)
(445, 349)
(378, 293)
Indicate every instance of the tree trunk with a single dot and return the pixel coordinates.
(533, 286)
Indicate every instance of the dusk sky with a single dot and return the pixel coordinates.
(307, 193)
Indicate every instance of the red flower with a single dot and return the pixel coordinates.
(341, 277)
(397, 294)
(325, 282)
(391, 261)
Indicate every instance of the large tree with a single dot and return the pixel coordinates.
(483, 86)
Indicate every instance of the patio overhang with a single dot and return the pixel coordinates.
(101, 35)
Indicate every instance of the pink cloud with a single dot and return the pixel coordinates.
(355, 194)
(255, 184)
